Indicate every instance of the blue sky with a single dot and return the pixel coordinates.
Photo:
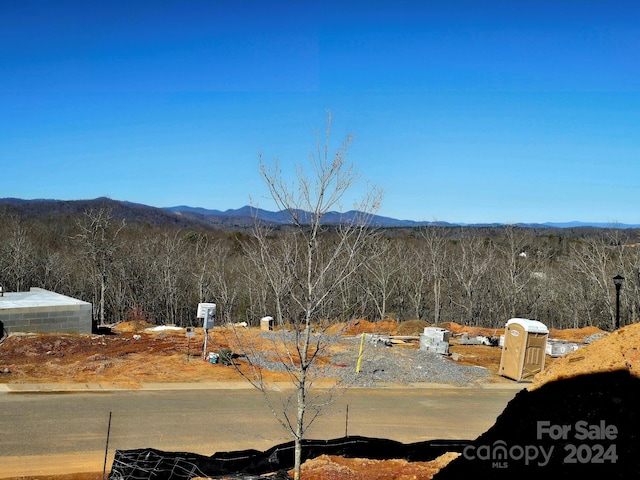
(461, 111)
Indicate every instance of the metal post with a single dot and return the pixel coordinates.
(204, 346)
(618, 280)
(106, 449)
(346, 423)
(617, 306)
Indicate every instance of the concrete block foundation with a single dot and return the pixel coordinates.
(40, 310)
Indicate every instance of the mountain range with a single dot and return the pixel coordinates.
(282, 217)
(183, 215)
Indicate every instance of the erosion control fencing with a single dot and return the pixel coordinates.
(151, 464)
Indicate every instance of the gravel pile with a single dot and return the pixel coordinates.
(382, 364)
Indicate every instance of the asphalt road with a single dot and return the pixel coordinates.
(37, 426)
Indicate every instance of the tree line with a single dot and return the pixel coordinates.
(469, 275)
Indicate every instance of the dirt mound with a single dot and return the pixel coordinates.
(359, 326)
(453, 327)
(381, 327)
(412, 327)
(333, 467)
(619, 350)
(457, 329)
(579, 335)
(131, 326)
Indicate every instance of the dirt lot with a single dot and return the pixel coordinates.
(139, 353)
(119, 358)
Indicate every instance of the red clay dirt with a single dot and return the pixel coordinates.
(117, 359)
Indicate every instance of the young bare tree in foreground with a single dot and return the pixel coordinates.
(305, 265)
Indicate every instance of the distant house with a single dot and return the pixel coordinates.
(40, 310)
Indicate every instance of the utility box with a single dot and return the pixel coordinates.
(524, 348)
(266, 324)
(207, 311)
(203, 308)
(435, 339)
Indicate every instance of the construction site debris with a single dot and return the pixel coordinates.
(436, 340)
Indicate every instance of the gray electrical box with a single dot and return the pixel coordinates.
(207, 311)
(209, 318)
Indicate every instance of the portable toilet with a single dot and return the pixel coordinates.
(266, 324)
(524, 348)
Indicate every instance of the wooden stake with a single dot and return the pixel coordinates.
(360, 354)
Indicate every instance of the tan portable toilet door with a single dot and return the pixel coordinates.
(534, 354)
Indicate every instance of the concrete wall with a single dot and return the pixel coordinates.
(50, 313)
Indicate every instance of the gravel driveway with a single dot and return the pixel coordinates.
(382, 364)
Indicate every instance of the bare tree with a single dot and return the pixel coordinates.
(631, 286)
(383, 265)
(436, 248)
(224, 272)
(309, 267)
(469, 268)
(415, 282)
(262, 250)
(97, 237)
(170, 269)
(598, 259)
(18, 252)
(520, 265)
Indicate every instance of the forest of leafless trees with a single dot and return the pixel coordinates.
(470, 275)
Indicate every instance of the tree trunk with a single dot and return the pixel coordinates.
(302, 406)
